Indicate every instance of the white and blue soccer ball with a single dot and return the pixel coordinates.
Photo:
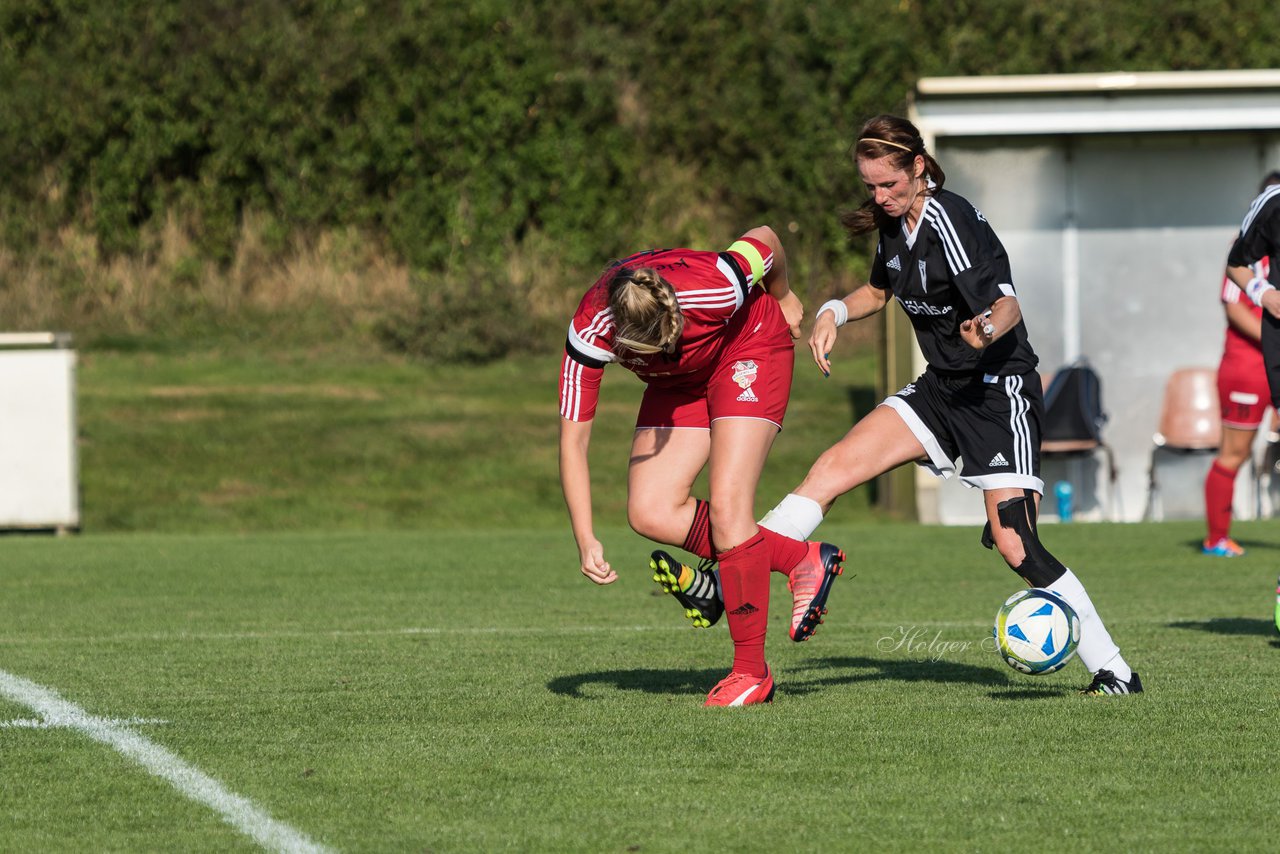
(1036, 631)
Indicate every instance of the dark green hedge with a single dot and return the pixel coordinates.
(457, 130)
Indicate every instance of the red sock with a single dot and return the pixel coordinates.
(784, 552)
(698, 541)
(744, 582)
(1219, 487)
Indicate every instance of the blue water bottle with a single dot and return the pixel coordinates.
(1062, 492)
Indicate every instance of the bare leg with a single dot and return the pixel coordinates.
(738, 450)
(664, 465)
(739, 447)
(880, 442)
(1021, 548)
(1008, 542)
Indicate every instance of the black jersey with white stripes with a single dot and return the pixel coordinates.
(950, 269)
(1260, 234)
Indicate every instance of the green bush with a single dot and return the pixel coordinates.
(470, 316)
(458, 132)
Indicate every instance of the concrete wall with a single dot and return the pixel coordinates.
(1118, 243)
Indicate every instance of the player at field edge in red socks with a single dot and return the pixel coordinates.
(711, 334)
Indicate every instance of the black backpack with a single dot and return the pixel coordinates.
(1073, 405)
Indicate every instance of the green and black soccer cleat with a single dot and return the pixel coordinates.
(700, 594)
(1105, 682)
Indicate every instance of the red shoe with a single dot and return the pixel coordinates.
(741, 689)
(810, 584)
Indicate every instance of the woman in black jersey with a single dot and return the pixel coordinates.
(979, 398)
(1259, 238)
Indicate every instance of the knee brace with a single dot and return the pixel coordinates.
(1038, 568)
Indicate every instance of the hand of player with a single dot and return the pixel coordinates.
(594, 566)
(822, 339)
(1271, 303)
(978, 332)
(792, 311)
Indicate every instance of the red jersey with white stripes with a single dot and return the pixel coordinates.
(710, 289)
(1241, 350)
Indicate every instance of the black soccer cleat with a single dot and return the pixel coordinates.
(702, 602)
(1105, 682)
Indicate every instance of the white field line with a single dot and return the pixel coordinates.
(419, 630)
(41, 723)
(239, 812)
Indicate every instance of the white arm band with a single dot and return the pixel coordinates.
(1256, 287)
(837, 308)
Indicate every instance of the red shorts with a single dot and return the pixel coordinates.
(1243, 394)
(751, 378)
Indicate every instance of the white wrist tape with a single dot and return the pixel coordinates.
(837, 308)
(1256, 287)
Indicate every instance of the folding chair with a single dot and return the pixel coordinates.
(1185, 444)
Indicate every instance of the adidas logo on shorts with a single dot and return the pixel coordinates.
(997, 461)
(748, 396)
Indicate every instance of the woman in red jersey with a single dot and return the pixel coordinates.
(716, 353)
(1243, 398)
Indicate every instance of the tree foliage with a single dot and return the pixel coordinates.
(458, 131)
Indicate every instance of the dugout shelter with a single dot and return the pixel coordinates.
(1117, 197)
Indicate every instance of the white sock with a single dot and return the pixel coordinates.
(795, 516)
(1096, 650)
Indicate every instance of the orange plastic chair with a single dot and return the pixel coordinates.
(1190, 418)
(1186, 441)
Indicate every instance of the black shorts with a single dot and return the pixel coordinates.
(992, 423)
(1271, 354)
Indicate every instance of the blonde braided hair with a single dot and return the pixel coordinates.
(646, 316)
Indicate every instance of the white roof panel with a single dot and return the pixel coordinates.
(1097, 103)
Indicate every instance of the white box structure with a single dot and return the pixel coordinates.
(39, 466)
(1117, 197)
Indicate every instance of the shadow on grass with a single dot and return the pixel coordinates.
(1032, 694)
(1247, 545)
(1229, 626)
(825, 672)
(650, 681)
(809, 678)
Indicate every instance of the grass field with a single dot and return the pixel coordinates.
(251, 440)
(469, 691)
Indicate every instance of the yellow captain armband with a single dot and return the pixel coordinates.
(748, 250)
